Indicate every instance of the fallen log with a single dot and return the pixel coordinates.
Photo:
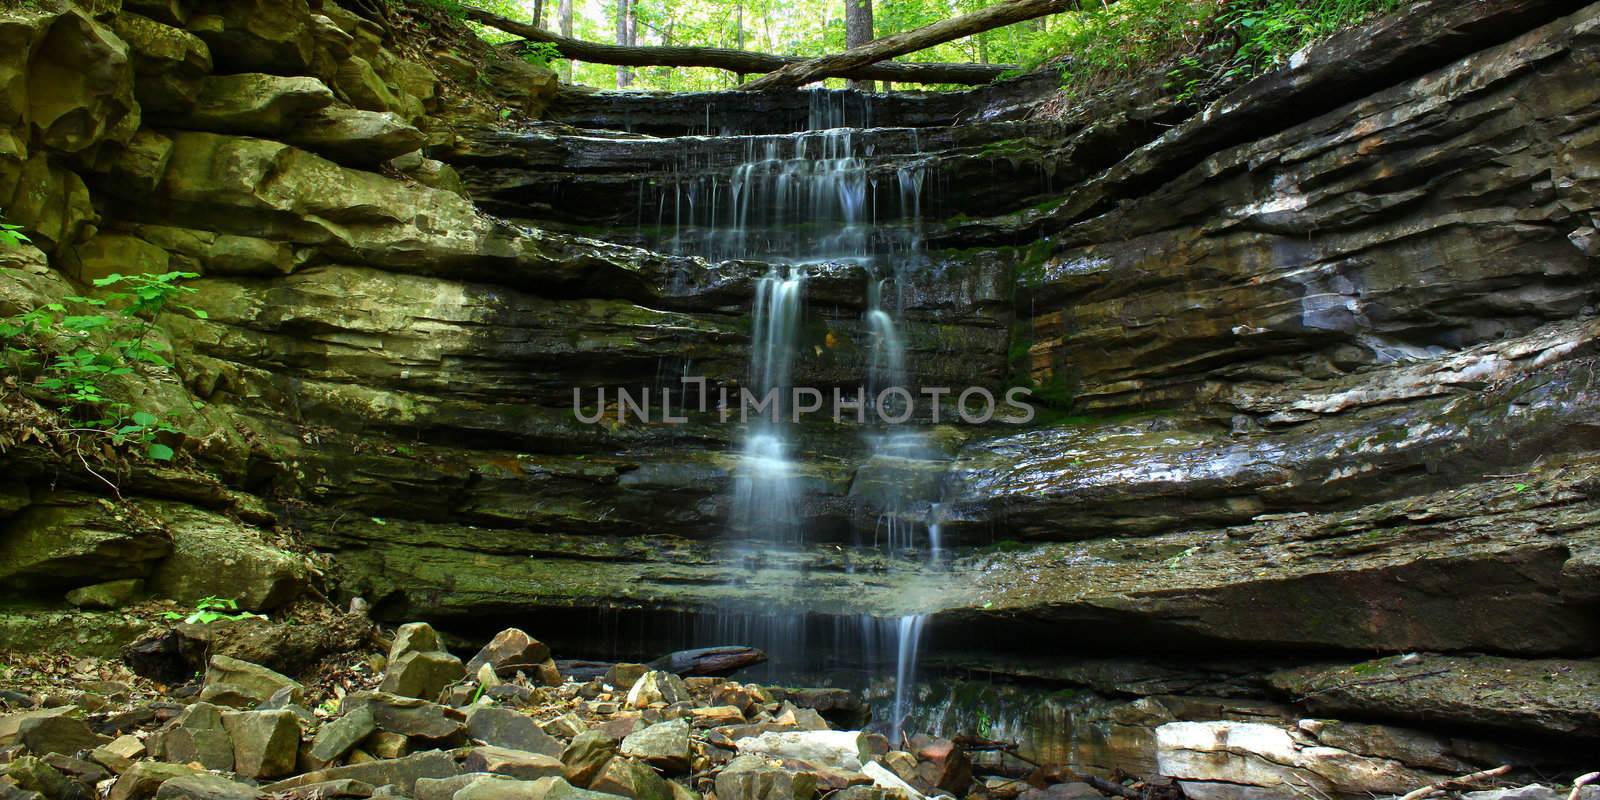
(705, 661)
(1455, 784)
(743, 62)
(849, 62)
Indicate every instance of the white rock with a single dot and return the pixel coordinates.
(837, 749)
(884, 779)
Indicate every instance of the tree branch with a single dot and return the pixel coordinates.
(739, 61)
(849, 62)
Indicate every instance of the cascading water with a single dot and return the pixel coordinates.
(800, 202)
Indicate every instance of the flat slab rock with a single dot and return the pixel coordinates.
(1545, 696)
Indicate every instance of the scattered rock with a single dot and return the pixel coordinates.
(424, 675)
(411, 717)
(836, 749)
(588, 753)
(658, 687)
(502, 727)
(68, 735)
(414, 637)
(205, 787)
(197, 736)
(628, 778)
(337, 737)
(145, 778)
(111, 594)
(509, 651)
(265, 743)
(241, 684)
(519, 764)
(401, 773)
(664, 746)
(750, 778)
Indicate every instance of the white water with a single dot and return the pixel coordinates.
(795, 202)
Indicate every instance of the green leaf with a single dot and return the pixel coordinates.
(144, 419)
(160, 452)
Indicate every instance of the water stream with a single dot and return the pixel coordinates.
(798, 202)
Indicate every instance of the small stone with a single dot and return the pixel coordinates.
(336, 737)
(241, 684)
(664, 746)
(657, 687)
(265, 743)
(502, 727)
(586, 756)
(509, 651)
(196, 736)
(566, 726)
(519, 764)
(423, 675)
(414, 637)
(629, 778)
(716, 716)
(111, 594)
(205, 787)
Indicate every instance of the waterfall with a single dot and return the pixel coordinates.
(764, 497)
(797, 202)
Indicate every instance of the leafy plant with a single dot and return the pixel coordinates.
(83, 343)
(541, 54)
(212, 609)
(11, 235)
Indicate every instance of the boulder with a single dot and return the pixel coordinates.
(356, 138)
(414, 637)
(115, 253)
(51, 201)
(254, 104)
(216, 556)
(168, 63)
(664, 746)
(625, 674)
(751, 778)
(628, 778)
(943, 765)
(337, 737)
(68, 735)
(443, 788)
(80, 86)
(241, 684)
(657, 687)
(422, 675)
(265, 743)
(82, 541)
(206, 787)
(586, 755)
(272, 36)
(519, 764)
(502, 727)
(508, 652)
(33, 778)
(111, 594)
(119, 754)
(1214, 759)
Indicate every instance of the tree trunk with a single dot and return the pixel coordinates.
(564, 19)
(538, 13)
(857, 32)
(909, 42)
(624, 10)
(737, 61)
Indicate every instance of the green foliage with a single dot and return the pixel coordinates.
(212, 609)
(78, 346)
(540, 54)
(11, 235)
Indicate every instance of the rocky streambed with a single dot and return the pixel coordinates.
(419, 722)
